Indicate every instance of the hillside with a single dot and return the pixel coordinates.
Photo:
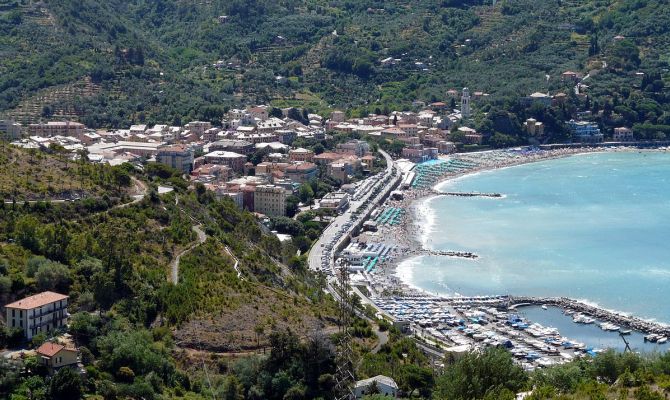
(50, 175)
(237, 291)
(153, 61)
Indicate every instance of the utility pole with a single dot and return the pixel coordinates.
(344, 375)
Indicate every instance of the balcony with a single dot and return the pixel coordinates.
(47, 312)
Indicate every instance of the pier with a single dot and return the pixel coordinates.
(466, 194)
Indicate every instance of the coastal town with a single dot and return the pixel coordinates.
(266, 160)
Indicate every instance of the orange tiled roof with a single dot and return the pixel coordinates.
(37, 300)
(49, 349)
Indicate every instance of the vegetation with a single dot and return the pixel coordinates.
(153, 62)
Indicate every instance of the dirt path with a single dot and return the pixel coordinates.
(174, 265)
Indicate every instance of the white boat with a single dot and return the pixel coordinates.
(662, 340)
(608, 326)
(544, 307)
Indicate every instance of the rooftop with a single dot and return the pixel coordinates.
(37, 300)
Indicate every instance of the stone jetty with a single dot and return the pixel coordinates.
(451, 253)
(466, 194)
(598, 313)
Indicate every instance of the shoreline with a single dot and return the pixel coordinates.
(410, 234)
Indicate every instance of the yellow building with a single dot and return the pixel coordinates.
(55, 356)
(270, 200)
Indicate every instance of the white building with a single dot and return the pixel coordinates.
(385, 386)
(43, 312)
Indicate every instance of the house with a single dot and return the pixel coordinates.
(623, 134)
(326, 158)
(179, 157)
(537, 98)
(233, 160)
(55, 356)
(301, 172)
(384, 385)
(43, 312)
(569, 76)
(301, 154)
(259, 112)
(270, 200)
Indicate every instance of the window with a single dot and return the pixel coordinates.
(13, 313)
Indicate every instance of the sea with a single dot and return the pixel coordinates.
(594, 227)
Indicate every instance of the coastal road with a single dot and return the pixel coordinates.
(330, 234)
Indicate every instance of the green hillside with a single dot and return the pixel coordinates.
(116, 62)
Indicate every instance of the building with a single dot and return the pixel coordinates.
(55, 356)
(270, 200)
(337, 116)
(43, 312)
(179, 157)
(585, 132)
(301, 172)
(236, 197)
(9, 130)
(198, 127)
(466, 112)
(623, 134)
(233, 160)
(259, 112)
(418, 153)
(301, 155)
(537, 98)
(338, 201)
(444, 147)
(233, 145)
(64, 128)
(355, 146)
(385, 386)
(533, 127)
(220, 173)
(569, 76)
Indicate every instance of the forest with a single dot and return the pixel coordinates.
(141, 61)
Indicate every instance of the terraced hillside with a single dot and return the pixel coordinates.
(153, 61)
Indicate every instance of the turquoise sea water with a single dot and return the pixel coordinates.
(594, 227)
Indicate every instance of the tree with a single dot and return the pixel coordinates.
(306, 193)
(477, 373)
(65, 385)
(53, 276)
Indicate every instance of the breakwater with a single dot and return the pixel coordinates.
(466, 194)
(451, 253)
(627, 321)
